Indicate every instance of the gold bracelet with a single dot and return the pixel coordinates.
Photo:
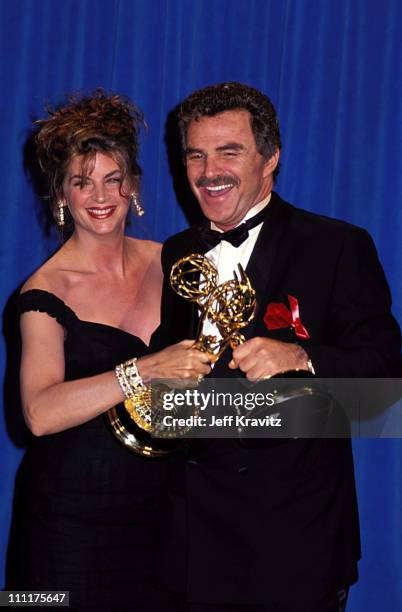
(137, 394)
(123, 382)
(133, 376)
(129, 378)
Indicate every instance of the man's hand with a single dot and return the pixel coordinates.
(260, 358)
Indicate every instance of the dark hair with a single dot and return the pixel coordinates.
(84, 126)
(222, 97)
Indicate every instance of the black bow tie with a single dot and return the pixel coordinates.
(210, 238)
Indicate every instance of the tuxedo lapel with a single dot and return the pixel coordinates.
(195, 246)
(268, 257)
(187, 316)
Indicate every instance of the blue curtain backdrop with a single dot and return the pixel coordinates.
(333, 70)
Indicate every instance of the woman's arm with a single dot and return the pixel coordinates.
(51, 405)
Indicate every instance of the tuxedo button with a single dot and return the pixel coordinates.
(243, 469)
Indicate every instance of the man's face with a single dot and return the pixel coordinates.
(226, 172)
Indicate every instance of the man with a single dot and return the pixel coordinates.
(273, 528)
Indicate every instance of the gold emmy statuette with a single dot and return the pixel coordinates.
(230, 306)
(132, 425)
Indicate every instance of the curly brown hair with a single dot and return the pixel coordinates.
(84, 126)
(222, 97)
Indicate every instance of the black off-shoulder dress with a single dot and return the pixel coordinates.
(90, 502)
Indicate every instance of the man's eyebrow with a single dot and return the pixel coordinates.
(233, 146)
(229, 146)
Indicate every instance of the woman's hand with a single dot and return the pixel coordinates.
(177, 362)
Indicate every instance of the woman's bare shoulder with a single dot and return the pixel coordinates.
(47, 276)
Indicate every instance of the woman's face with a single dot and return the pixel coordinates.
(94, 200)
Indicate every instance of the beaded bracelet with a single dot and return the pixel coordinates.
(138, 395)
(129, 378)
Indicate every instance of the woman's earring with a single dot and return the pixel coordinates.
(60, 213)
(136, 204)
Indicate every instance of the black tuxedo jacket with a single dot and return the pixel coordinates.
(246, 526)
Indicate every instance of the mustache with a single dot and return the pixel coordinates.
(217, 181)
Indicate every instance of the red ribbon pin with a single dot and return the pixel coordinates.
(278, 316)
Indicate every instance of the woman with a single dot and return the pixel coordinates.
(89, 308)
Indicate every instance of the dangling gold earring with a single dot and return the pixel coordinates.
(136, 204)
(60, 213)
